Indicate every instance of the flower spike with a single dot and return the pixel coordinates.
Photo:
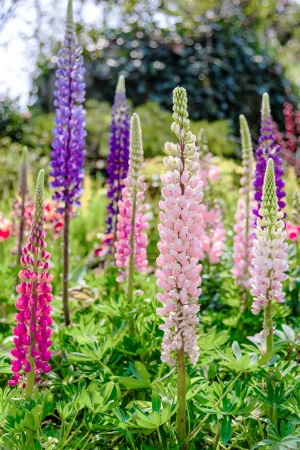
(244, 227)
(118, 154)
(32, 333)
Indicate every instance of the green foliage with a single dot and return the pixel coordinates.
(108, 391)
(224, 67)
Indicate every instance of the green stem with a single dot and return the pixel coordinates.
(274, 416)
(160, 439)
(181, 389)
(31, 375)
(196, 430)
(217, 439)
(66, 265)
(268, 326)
(131, 260)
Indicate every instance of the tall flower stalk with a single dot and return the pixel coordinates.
(244, 226)
(22, 208)
(270, 256)
(118, 159)
(131, 243)
(180, 233)
(267, 149)
(69, 137)
(32, 333)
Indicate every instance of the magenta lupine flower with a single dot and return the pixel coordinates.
(270, 250)
(32, 333)
(118, 159)
(132, 222)
(180, 239)
(244, 216)
(67, 155)
(268, 149)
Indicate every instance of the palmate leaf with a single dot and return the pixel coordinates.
(273, 395)
(226, 430)
(235, 360)
(140, 371)
(212, 339)
(144, 422)
(287, 443)
(133, 383)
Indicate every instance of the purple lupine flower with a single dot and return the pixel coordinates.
(67, 155)
(118, 154)
(268, 148)
(69, 137)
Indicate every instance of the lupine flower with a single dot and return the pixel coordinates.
(290, 126)
(22, 209)
(293, 231)
(267, 149)
(5, 228)
(32, 333)
(270, 250)
(67, 155)
(296, 207)
(131, 224)
(208, 170)
(180, 234)
(288, 140)
(214, 234)
(54, 219)
(105, 247)
(244, 226)
(118, 159)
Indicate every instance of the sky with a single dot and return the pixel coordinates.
(18, 50)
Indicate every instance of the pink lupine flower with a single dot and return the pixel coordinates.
(214, 235)
(208, 170)
(32, 333)
(54, 218)
(293, 231)
(5, 228)
(244, 226)
(131, 243)
(270, 250)
(180, 239)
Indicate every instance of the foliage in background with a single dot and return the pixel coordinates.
(224, 66)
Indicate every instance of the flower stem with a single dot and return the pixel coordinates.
(268, 322)
(181, 389)
(195, 431)
(217, 439)
(66, 265)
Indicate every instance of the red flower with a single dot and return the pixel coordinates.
(293, 231)
(4, 228)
